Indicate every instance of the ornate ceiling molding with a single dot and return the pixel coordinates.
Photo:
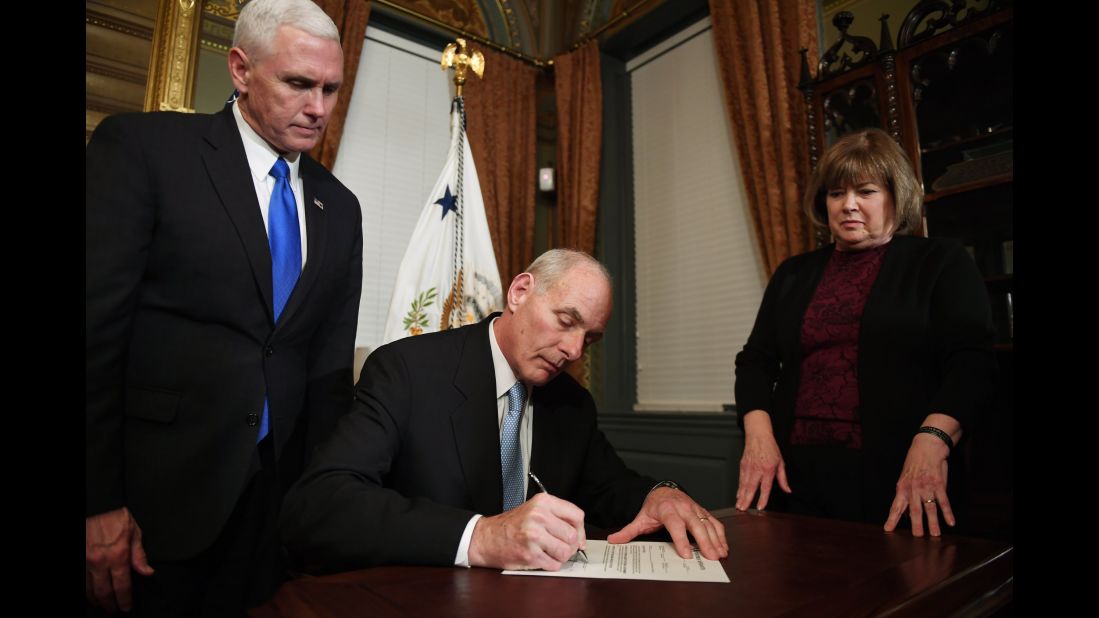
(110, 22)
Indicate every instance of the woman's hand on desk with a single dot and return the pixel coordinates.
(921, 488)
(761, 462)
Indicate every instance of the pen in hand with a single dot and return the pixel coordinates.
(542, 488)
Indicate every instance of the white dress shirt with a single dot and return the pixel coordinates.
(261, 158)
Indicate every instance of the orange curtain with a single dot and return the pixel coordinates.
(757, 43)
(350, 17)
(579, 91)
(500, 123)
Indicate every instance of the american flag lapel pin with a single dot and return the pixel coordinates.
(318, 203)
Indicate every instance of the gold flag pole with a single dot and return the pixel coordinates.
(455, 55)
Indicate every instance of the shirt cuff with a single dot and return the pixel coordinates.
(462, 557)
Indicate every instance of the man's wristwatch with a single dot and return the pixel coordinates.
(671, 484)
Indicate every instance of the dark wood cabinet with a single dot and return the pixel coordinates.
(943, 89)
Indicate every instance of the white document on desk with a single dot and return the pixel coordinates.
(648, 560)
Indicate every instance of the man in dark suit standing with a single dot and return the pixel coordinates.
(431, 465)
(223, 272)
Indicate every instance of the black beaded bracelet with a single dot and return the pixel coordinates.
(942, 435)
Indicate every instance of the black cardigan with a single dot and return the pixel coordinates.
(925, 345)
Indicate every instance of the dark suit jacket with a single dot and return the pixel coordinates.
(181, 342)
(419, 455)
(925, 345)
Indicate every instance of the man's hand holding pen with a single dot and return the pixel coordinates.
(542, 533)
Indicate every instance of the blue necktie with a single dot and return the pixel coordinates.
(284, 237)
(511, 455)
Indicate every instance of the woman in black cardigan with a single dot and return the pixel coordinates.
(868, 356)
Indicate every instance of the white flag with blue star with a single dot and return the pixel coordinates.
(448, 276)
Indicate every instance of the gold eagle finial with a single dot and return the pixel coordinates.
(455, 55)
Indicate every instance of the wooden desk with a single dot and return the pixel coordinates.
(778, 565)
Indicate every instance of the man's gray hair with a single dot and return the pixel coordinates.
(552, 266)
(260, 20)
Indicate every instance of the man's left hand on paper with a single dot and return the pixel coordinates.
(673, 509)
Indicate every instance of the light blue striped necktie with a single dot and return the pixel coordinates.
(284, 238)
(511, 455)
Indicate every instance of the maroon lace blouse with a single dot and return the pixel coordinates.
(827, 409)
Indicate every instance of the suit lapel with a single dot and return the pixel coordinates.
(316, 231)
(227, 166)
(551, 436)
(476, 428)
